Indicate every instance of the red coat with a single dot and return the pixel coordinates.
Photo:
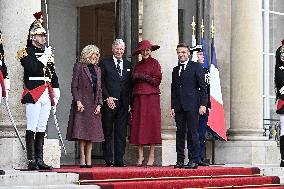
(147, 77)
(85, 125)
(146, 112)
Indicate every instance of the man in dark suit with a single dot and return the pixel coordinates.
(116, 88)
(188, 100)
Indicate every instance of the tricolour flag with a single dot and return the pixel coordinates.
(216, 119)
(205, 64)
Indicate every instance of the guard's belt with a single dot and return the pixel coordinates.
(39, 79)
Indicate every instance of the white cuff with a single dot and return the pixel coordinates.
(7, 84)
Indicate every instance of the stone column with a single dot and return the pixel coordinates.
(246, 143)
(15, 23)
(160, 26)
(246, 71)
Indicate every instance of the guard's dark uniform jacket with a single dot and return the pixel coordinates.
(37, 77)
(207, 82)
(279, 79)
(3, 72)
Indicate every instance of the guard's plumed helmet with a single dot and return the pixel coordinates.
(37, 29)
(197, 48)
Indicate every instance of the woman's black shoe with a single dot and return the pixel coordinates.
(83, 166)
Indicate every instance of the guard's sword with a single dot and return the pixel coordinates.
(58, 129)
(13, 122)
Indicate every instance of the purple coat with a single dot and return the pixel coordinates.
(85, 125)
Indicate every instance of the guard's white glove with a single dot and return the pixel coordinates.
(7, 84)
(281, 90)
(7, 87)
(56, 94)
(46, 54)
(0, 62)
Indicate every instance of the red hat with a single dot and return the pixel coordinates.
(282, 41)
(145, 44)
(37, 15)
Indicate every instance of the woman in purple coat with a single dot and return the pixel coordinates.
(85, 118)
(146, 113)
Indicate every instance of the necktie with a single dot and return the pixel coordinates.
(182, 69)
(118, 67)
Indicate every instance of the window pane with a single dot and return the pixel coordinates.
(276, 29)
(271, 75)
(273, 114)
(276, 5)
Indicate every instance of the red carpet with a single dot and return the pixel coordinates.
(169, 178)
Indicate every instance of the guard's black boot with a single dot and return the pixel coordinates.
(282, 150)
(31, 150)
(39, 141)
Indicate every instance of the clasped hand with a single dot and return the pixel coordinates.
(80, 106)
(111, 103)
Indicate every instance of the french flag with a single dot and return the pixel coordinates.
(216, 119)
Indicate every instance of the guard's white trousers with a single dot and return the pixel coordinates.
(37, 114)
(282, 124)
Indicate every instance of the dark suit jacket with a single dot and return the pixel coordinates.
(112, 84)
(189, 91)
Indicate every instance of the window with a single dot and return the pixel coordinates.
(273, 27)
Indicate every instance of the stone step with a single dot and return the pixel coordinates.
(273, 171)
(35, 178)
(67, 186)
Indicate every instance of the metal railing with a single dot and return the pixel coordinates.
(272, 129)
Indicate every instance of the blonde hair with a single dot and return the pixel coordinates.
(87, 52)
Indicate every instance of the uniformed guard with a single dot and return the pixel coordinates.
(4, 79)
(279, 87)
(41, 91)
(203, 119)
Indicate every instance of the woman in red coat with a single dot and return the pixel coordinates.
(85, 123)
(146, 113)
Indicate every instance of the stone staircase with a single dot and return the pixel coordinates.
(16, 179)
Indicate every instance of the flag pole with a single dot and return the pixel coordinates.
(193, 24)
(202, 27)
(47, 29)
(212, 29)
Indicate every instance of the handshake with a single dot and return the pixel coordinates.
(47, 56)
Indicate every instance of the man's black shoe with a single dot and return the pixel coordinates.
(2, 172)
(179, 165)
(191, 166)
(119, 164)
(109, 163)
(202, 163)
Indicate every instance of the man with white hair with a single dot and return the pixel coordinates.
(41, 91)
(116, 89)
